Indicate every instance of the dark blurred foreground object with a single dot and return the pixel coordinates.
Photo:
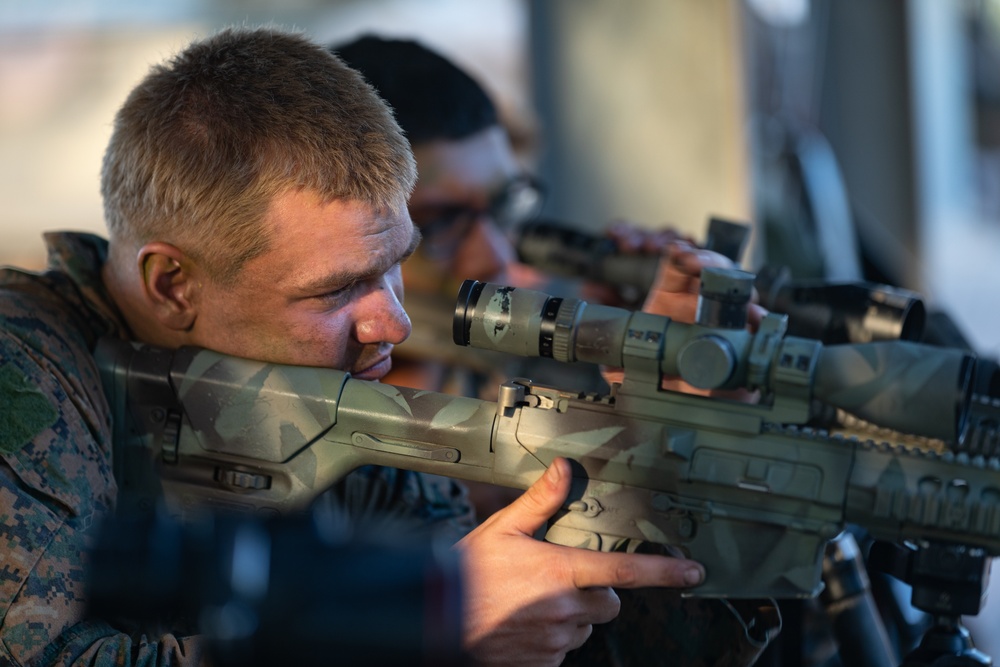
(288, 590)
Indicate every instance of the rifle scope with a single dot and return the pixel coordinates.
(848, 312)
(901, 385)
(831, 312)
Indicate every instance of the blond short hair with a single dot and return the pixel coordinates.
(207, 140)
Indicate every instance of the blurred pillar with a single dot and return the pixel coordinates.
(896, 109)
(642, 111)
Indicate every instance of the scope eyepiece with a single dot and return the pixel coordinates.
(491, 317)
(468, 294)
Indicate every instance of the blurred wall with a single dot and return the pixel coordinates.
(59, 89)
(641, 111)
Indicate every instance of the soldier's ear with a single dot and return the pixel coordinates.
(169, 284)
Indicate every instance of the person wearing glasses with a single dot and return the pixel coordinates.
(471, 195)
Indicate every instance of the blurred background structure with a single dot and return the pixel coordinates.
(877, 119)
(862, 138)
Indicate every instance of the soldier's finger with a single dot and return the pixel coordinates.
(593, 568)
(536, 505)
(599, 605)
(582, 634)
(628, 238)
(693, 261)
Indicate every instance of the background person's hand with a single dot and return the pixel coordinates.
(631, 239)
(674, 294)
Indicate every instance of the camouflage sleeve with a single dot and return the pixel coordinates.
(56, 484)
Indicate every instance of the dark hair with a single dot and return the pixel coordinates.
(205, 142)
(432, 97)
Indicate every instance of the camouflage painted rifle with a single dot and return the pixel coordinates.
(744, 488)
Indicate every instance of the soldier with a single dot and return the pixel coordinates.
(471, 194)
(255, 196)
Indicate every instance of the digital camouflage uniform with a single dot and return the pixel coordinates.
(56, 479)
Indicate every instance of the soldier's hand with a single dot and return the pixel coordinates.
(528, 602)
(674, 293)
(631, 239)
(635, 240)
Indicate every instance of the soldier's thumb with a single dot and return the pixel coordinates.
(536, 505)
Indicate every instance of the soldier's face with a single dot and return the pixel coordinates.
(457, 180)
(328, 291)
